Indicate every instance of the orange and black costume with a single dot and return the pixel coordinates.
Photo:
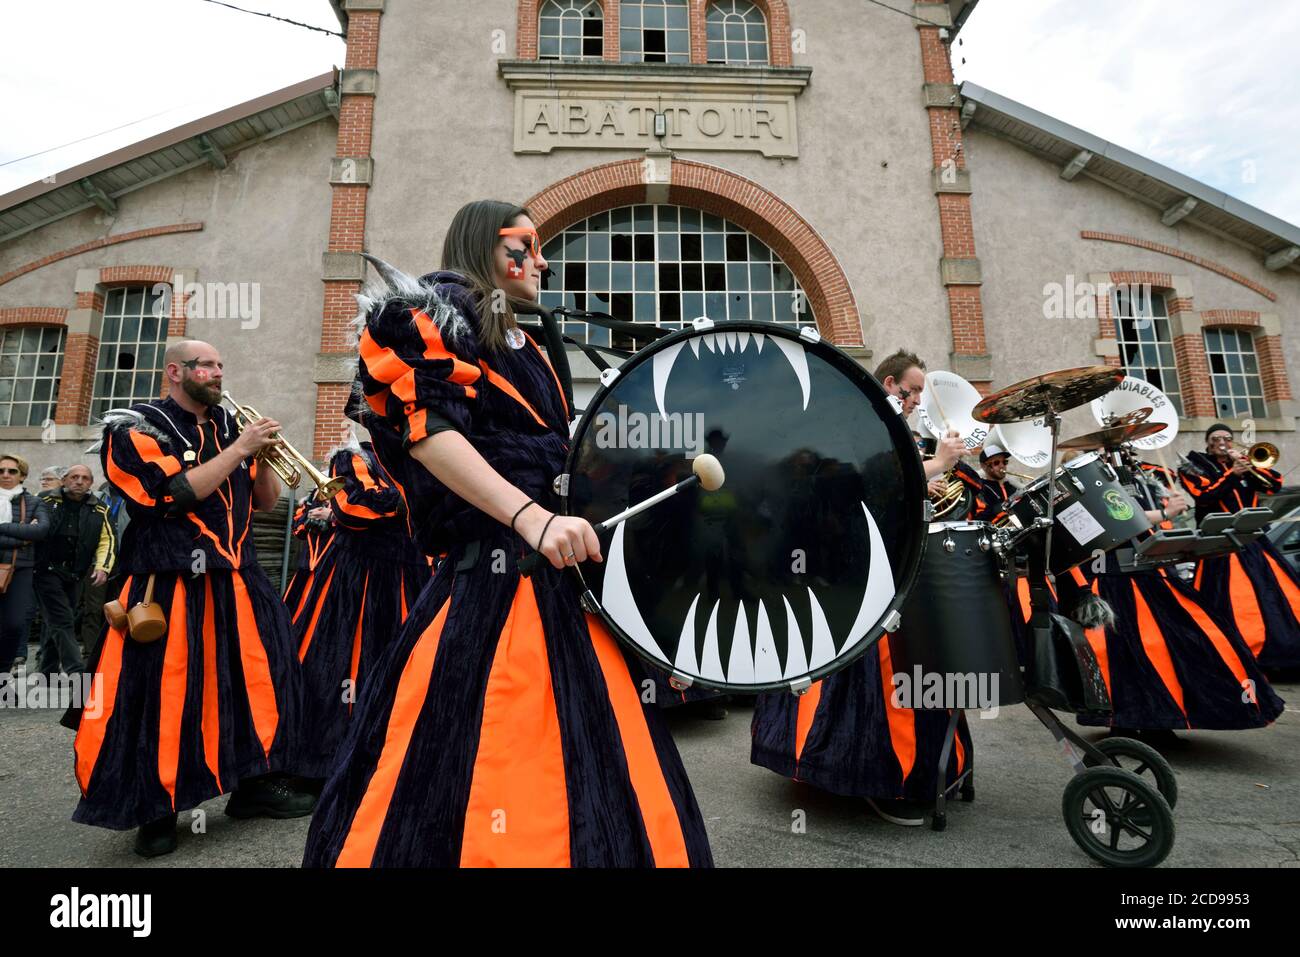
(217, 699)
(356, 606)
(503, 726)
(315, 540)
(1256, 586)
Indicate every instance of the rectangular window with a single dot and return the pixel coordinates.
(654, 31)
(31, 359)
(1145, 341)
(1234, 373)
(131, 348)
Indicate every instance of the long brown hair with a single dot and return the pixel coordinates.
(470, 249)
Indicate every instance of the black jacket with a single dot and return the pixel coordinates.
(96, 545)
(14, 534)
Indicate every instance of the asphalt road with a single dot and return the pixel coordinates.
(1239, 805)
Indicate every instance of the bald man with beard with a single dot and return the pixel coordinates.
(213, 706)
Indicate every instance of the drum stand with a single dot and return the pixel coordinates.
(965, 781)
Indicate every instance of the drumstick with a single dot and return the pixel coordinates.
(938, 407)
(708, 474)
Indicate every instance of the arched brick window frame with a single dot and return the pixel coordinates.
(777, 14)
(527, 29)
(722, 193)
(1266, 332)
(85, 328)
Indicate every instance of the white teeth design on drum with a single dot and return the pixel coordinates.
(741, 666)
(767, 665)
(710, 340)
(796, 662)
(759, 339)
(695, 345)
(744, 340)
(617, 598)
(799, 363)
(663, 367)
(711, 666)
(686, 644)
(823, 645)
(880, 585)
(731, 342)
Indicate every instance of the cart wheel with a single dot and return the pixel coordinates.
(1117, 818)
(1144, 761)
(968, 789)
(939, 822)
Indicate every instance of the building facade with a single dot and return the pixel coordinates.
(804, 162)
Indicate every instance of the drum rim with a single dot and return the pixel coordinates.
(896, 425)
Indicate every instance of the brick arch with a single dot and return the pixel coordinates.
(777, 13)
(526, 29)
(34, 316)
(1228, 318)
(726, 194)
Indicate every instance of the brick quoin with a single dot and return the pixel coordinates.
(77, 379)
(1272, 368)
(730, 196)
(347, 229)
(1194, 375)
(956, 228)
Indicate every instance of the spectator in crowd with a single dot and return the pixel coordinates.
(51, 478)
(23, 520)
(77, 553)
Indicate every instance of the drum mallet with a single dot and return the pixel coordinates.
(706, 471)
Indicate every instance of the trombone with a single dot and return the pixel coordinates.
(1262, 456)
(288, 462)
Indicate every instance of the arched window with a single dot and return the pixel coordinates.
(31, 359)
(667, 265)
(131, 348)
(737, 33)
(570, 30)
(1146, 345)
(1234, 373)
(654, 31)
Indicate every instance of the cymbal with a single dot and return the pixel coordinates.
(1051, 392)
(1113, 437)
(1134, 417)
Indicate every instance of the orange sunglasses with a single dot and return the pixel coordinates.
(531, 242)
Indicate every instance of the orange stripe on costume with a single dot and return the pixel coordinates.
(1157, 651)
(412, 689)
(462, 373)
(518, 810)
(804, 716)
(902, 721)
(559, 388)
(315, 616)
(504, 384)
(171, 710)
(1245, 605)
(128, 484)
(1286, 584)
(1217, 638)
(150, 451)
(257, 672)
(91, 730)
(356, 643)
(211, 721)
(662, 826)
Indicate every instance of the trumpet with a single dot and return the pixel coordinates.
(288, 462)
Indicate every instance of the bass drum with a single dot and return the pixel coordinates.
(801, 560)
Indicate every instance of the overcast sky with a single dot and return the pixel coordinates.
(1207, 87)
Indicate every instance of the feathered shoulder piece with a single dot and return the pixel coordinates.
(123, 420)
(386, 305)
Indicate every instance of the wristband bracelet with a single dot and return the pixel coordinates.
(542, 537)
(520, 512)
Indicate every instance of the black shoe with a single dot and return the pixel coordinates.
(157, 837)
(269, 797)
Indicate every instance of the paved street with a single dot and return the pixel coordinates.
(1239, 805)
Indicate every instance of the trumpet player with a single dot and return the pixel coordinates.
(213, 705)
(1255, 586)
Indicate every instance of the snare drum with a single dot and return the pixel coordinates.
(1093, 511)
(801, 560)
(956, 622)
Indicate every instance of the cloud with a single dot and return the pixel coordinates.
(1204, 87)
